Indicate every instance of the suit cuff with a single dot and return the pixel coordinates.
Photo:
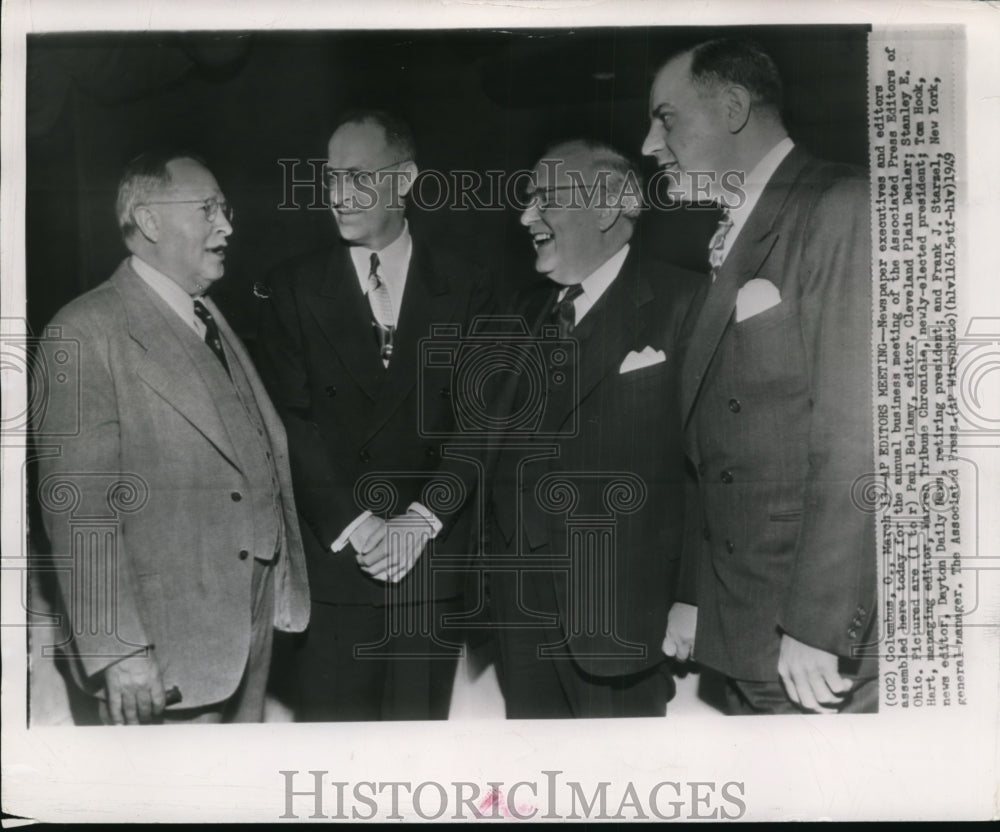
(345, 536)
(428, 515)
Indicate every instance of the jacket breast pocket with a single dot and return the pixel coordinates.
(768, 351)
(652, 372)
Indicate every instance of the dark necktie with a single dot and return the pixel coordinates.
(211, 333)
(564, 312)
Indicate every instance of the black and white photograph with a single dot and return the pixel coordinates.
(462, 412)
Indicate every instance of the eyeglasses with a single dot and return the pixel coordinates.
(358, 178)
(210, 206)
(541, 198)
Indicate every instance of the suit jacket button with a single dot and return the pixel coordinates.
(244, 554)
(730, 546)
(236, 496)
(331, 391)
(726, 476)
(734, 405)
(365, 456)
(431, 453)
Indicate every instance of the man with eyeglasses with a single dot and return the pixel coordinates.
(174, 616)
(339, 351)
(588, 509)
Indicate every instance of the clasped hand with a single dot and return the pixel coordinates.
(388, 549)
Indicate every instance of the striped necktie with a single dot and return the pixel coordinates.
(718, 242)
(212, 337)
(381, 303)
(564, 312)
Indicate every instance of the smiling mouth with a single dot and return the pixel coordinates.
(218, 251)
(540, 238)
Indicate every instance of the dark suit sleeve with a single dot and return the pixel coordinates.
(832, 587)
(326, 505)
(692, 540)
(482, 303)
(75, 481)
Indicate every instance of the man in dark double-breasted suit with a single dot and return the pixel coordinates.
(776, 396)
(587, 504)
(340, 352)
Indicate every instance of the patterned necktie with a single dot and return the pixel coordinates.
(211, 333)
(564, 312)
(718, 242)
(381, 303)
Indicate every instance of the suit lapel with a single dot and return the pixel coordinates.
(426, 301)
(344, 316)
(744, 261)
(237, 351)
(609, 329)
(171, 366)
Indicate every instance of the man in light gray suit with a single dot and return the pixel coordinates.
(206, 559)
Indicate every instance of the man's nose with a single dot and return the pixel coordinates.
(654, 140)
(223, 224)
(530, 214)
(338, 197)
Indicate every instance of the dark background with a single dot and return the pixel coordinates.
(476, 99)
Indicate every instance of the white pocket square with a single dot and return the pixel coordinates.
(637, 360)
(756, 296)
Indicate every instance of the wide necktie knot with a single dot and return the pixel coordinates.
(212, 337)
(716, 246)
(564, 312)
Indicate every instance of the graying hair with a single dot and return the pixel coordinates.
(143, 178)
(622, 171)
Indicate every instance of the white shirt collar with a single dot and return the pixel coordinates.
(394, 262)
(176, 298)
(753, 187)
(597, 283)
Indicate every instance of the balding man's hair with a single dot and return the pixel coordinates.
(145, 177)
(624, 181)
(738, 61)
(398, 134)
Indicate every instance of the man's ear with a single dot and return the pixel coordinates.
(148, 223)
(736, 106)
(607, 216)
(410, 171)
